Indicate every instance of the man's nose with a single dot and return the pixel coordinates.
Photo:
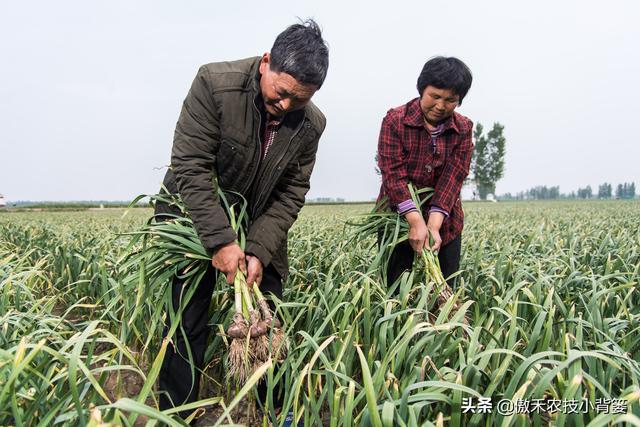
(285, 103)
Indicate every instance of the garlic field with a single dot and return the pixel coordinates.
(550, 291)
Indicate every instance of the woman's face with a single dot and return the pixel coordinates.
(438, 104)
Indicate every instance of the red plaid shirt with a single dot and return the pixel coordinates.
(406, 154)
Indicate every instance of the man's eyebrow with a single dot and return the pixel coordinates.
(296, 97)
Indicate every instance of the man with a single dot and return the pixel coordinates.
(426, 142)
(250, 125)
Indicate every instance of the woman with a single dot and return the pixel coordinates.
(426, 143)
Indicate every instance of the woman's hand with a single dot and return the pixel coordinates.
(418, 232)
(433, 225)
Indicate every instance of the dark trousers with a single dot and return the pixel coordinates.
(401, 260)
(178, 385)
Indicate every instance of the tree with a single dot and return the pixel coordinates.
(542, 192)
(585, 193)
(604, 191)
(477, 134)
(626, 190)
(487, 162)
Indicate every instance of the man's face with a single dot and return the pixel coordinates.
(281, 92)
(438, 104)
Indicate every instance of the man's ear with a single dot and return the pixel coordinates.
(265, 62)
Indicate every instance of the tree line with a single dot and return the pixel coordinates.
(625, 190)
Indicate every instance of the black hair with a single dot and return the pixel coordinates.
(446, 73)
(301, 52)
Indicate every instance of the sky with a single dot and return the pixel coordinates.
(90, 91)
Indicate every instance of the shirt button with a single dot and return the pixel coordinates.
(429, 168)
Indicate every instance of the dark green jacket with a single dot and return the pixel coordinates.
(218, 136)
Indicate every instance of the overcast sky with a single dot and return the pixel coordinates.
(90, 91)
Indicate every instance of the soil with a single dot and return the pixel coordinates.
(132, 383)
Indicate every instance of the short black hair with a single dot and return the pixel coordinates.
(446, 73)
(301, 52)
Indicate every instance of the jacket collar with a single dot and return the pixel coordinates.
(413, 117)
(254, 83)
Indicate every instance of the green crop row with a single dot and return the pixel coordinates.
(549, 290)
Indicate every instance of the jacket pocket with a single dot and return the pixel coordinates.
(230, 157)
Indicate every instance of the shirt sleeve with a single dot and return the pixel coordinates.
(406, 207)
(438, 209)
(193, 159)
(391, 161)
(455, 170)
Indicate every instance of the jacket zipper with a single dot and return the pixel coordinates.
(275, 165)
(249, 182)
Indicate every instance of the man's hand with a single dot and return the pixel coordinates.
(417, 230)
(227, 258)
(254, 268)
(434, 224)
